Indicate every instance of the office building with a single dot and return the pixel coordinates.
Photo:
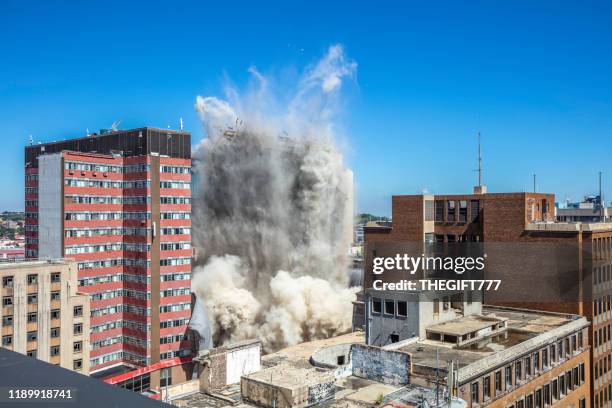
(536, 257)
(43, 314)
(119, 203)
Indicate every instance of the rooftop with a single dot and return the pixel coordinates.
(569, 226)
(19, 263)
(465, 325)
(526, 329)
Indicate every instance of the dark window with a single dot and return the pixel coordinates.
(486, 387)
(55, 351)
(439, 208)
(7, 301)
(32, 279)
(450, 211)
(518, 373)
(547, 400)
(165, 377)
(7, 282)
(55, 295)
(508, 376)
(462, 211)
(32, 336)
(55, 277)
(474, 210)
(474, 392)
(78, 311)
(394, 337)
(32, 299)
(78, 328)
(402, 308)
(389, 307)
(498, 382)
(7, 340)
(538, 398)
(77, 346)
(55, 314)
(77, 364)
(376, 306)
(32, 353)
(340, 360)
(55, 332)
(32, 317)
(7, 320)
(529, 401)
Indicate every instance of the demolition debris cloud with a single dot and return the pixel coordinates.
(273, 210)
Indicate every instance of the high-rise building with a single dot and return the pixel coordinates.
(119, 203)
(537, 257)
(43, 314)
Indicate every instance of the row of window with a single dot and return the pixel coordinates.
(172, 339)
(602, 397)
(117, 246)
(138, 310)
(127, 277)
(32, 336)
(118, 355)
(134, 341)
(31, 279)
(452, 211)
(123, 184)
(602, 273)
(131, 168)
(121, 323)
(96, 232)
(545, 395)
(88, 199)
(164, 324)
(133, 262)
(175, 246)
(602, 248)
(32, 317)
(531, 365)
(106, 216)
(137, 294)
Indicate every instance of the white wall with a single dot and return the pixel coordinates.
(242, 362)
(50, 217)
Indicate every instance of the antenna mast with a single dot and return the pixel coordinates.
(480, 188)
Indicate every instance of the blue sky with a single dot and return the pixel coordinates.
(534, 76)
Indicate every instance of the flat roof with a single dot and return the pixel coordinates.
(18, 371)
(524, 327)
(465, 325)
(19, 263)
(291, 376)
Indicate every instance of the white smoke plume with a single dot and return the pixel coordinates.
(273, 209)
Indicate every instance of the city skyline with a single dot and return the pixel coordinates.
(532, 78)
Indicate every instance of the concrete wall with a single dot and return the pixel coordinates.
(242, 361)
(385, 366)
(50, 214)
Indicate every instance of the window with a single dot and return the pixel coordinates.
(77, 346)
(547, 400)
(77, 364)
(32, 299)
(553, 353)
(7, 282)
(7, 340)
(436, 306)
(32, 317)
(462, 211)
(520, 403)
(55, 351)
(562, 389)
(389, 307)
(536, 361)
(32, 353)
(78, 311)
(55, 295)
(439, 210)
(474, 210)
(474, 392)
(402, 308)
(581, 366)
(518, 374)
(446, 302)
(376, 306)
(529, 401)
(32, 279)
(498, 382)
(555, 389)
(527, 366)
(78, 328)
(55, 277)
(55, 314)
(450, 211)
(394, 337)
(538, 398)
(582, 403)
(7, 320)
(165, 377)
(486, 388)
(55, 332)
(508, 376)
(544, 358)
(580, 339)
(32, 336)
(7, 301)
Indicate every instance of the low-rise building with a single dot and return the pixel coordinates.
(43, 314)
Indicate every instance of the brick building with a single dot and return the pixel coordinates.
(119, 203)
(520, 227)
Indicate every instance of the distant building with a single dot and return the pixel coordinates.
(119, 203)
(43, 314)
(588, 210)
